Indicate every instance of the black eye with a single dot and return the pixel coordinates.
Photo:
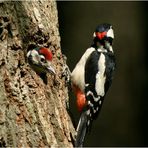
(42, 58)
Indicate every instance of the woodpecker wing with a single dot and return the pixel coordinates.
(98, 77)
(110, 67)
(95, 82)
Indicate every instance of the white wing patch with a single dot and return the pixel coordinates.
(100, 78)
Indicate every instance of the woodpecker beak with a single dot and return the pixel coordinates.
(101, 35)
(51, 70)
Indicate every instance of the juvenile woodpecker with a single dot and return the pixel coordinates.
(92, 77)
(40, 59)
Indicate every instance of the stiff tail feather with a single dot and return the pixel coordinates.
(81, 129)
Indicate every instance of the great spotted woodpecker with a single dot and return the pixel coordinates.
(40, 59)
(92, 77)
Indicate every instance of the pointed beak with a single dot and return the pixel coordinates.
(101, 35)
(51, 70)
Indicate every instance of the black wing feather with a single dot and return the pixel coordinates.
(91, 69)
(110, 67)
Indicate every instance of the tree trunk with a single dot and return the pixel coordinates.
(32, 113)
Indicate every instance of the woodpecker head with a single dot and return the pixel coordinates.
(104, 33)
(40, 60)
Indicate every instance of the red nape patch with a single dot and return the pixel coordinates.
(46, 52)
(101, 35)
(81, 100)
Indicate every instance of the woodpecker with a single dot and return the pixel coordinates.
(40, 59)
(92, 77)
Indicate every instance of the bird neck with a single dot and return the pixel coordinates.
(108, 46)
(103, 46)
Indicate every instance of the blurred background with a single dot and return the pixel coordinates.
(123, 120)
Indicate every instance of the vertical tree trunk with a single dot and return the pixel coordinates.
(32, 113)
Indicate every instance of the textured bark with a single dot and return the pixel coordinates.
(32, 113)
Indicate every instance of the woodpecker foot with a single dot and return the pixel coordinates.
(66, 72)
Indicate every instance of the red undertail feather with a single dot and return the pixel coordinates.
(81, 100)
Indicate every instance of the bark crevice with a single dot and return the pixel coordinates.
(33, 113)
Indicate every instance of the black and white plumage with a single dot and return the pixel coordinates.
(40, 59)
(93, 76)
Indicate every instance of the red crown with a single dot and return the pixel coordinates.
(46, 52)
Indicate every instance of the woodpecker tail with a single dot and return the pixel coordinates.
(82, 129)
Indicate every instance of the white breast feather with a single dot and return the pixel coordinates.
(77, 76)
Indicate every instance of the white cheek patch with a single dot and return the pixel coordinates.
(94, 35)
(34, 56)
(34, 52)
(110, 33)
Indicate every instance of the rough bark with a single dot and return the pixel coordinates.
(32, 113)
